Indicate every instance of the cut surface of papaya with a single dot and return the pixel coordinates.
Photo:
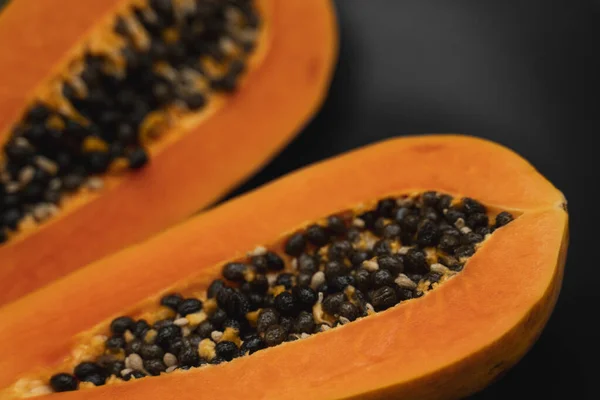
(137, 113)
(414, 268)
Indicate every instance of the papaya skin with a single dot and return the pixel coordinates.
(192, 166)
(450, 343)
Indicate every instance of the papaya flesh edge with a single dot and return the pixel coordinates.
(446, 345)
(287, 80)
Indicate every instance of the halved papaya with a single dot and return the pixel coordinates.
(90, 90)
(414, 268)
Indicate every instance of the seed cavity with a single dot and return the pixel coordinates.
(325, 277)
(160, 61)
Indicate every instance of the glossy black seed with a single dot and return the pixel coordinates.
(382, 277)
(379, 225)
(223, 296)
(193, 340)
(135, 346)
(339, 283)
(232, 323)
(286, 323)
(362, 279)
(115, 368)
(195, 101)
(477, 220)
(415, 277)
(226, 349)
(464, 251)
(336, 226)
(134, 375)
(448, 242)
(334, 268)
(172, 301)
(430, 199)
(386, 207)
(260, 284)
(416, 262)
(205, 328)
(237, 305)
(470, 206)
(471, 238)
(427, 233)
(167, 334)
(304, 279)
(304, 323)
(235, 271)
(275, 335)
(404, 294)
(38, 113)
(392, 263)
(307, 263)
(430, 214)
(72, 181)
(274, 262)
(340, 250)
(349, 310)
(332, 303)
(503, 219)
(483, 231)
(285, 303)
(96, 379)
(96, 162)
(295, 245)
(214, 288)
(383, 298)
(453, 215)
(358, 257)
(304, 297)
(382, 247)
(137, 158)
(119, 325)
(369, 218)
(410, 223)
(177, 345)
(140, 328)
(391, 231)
(217, 361)
(317, 235)
(218, 318)
(11, 218)
(353, 234)
(154, 367)
(252, 345)
(189, 306)
(266, 318)
(63, 382)
(115, 343)
(161, 323)
(188, 356)
(86, 368)
(285, 279)
(151, 351)
(259, 263)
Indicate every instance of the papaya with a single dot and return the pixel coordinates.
(415, 268)
(119, 118)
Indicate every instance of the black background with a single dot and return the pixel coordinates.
(520, 72)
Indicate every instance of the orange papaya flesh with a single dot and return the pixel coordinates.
(256, 80)
(449, 342)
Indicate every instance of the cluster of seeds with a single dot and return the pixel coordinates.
(347, 267)
(166, 59)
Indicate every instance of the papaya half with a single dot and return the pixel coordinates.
(119, 118)
(418, 268)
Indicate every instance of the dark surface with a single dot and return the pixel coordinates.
(522, 73)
